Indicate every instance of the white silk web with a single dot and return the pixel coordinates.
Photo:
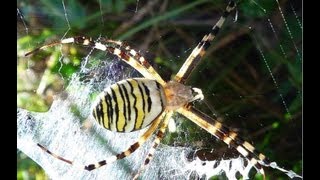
(62, 132)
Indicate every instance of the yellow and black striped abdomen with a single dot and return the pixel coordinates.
(129, 105)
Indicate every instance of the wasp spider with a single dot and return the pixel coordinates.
(133, 104)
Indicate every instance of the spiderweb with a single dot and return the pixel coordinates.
(68, 129)
(87, 146)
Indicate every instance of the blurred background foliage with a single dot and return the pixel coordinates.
(233, 76)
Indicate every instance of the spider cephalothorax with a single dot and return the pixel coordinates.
(178, 95)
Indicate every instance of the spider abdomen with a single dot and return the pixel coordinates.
(129, 105)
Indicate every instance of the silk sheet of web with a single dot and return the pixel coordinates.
(62, 132)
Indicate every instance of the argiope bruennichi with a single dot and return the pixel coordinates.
(133, 104)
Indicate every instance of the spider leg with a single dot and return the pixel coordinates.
(121, 155)
(128, 55)
(132, 148)
(43, 47)
(223, 133)
(54, 155)
(155, 143)
(199, 51)
(136, 55)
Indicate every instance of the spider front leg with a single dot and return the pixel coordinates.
(199, 51)
(257, 159)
